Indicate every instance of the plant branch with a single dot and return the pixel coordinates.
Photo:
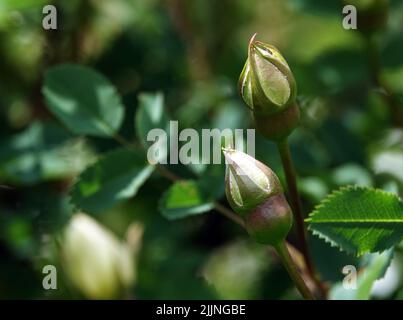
(291, 268)
(174, 178)
(229, 214)
(166, 173)
(291, 179)
(217, 206)
(123, 141)
(284, 255)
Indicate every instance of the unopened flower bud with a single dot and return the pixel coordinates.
(255, 193)
(268, 87)
(270, 221)
(97, 263)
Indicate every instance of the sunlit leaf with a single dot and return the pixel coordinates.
(150, 115)
(184, 198)
(84, 100)
(359, 219)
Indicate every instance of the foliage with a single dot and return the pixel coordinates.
(359, 219)
(77, 104)
(184, 198)
(83, 100)
(115, 177)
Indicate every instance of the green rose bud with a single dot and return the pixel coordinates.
(268, 88)
(97, 263)
(255, 193)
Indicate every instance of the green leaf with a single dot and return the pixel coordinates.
(150, 114)
(375, 270)
(359, 219)
(184, 198)
(84, 100)
(43, 151)
(115, 177)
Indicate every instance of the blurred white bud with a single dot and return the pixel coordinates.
(235, 270)
(97, 263)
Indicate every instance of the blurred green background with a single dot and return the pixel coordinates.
(192, 52)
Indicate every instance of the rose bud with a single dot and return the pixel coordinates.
(268, 88)
(255, 193)
(96, 262)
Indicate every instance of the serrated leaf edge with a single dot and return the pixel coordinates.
(328, 198)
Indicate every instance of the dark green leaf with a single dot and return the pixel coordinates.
(115, 177)
(41, 152)
(84, 100)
